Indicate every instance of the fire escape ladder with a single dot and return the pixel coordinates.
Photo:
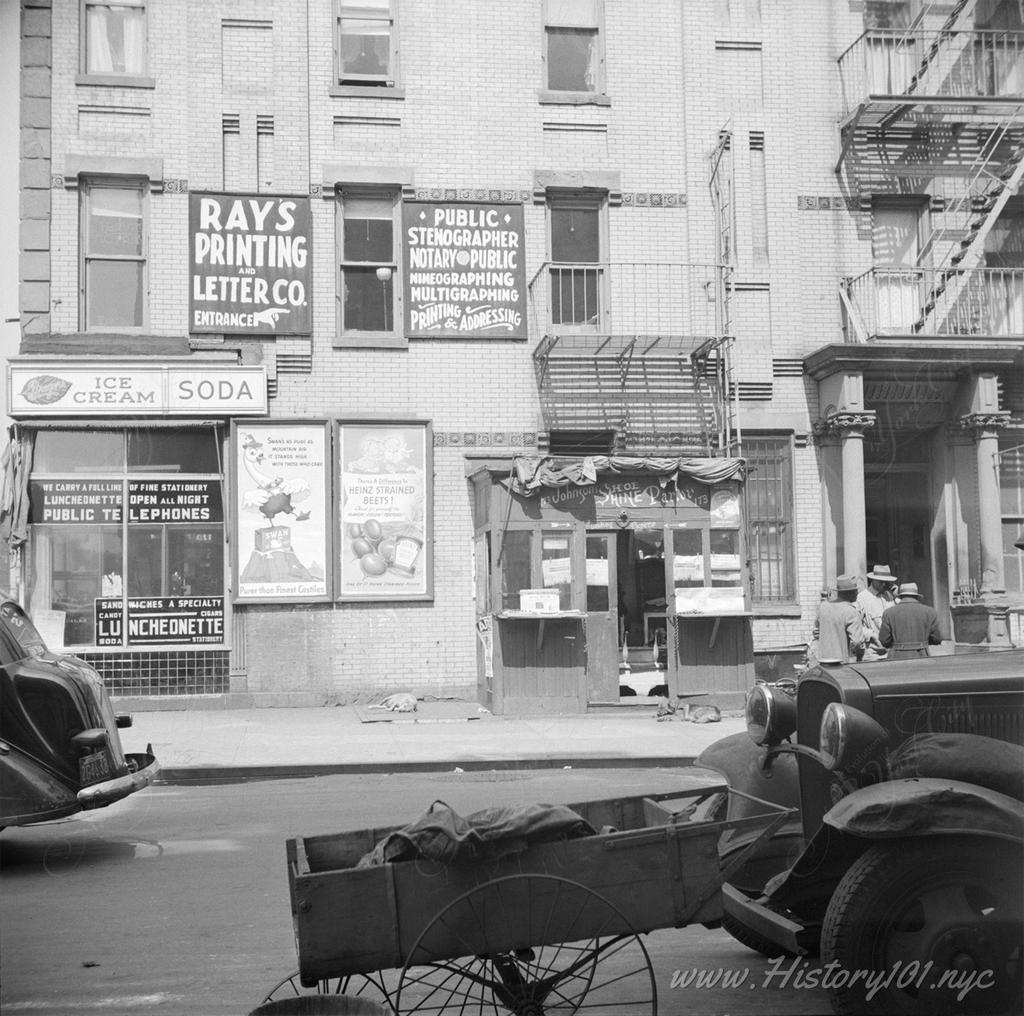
(979, 185)
(948, 27)
(723, 196)
(954, 275)
(942, 37)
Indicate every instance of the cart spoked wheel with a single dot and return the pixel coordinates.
(378, 986)
(529, 945)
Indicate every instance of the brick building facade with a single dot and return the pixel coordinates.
(735, 230)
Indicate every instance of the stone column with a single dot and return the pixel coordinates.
(985, 428)
(849, 428)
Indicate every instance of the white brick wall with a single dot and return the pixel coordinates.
(471, 119)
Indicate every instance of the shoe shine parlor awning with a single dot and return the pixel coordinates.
(529, 475)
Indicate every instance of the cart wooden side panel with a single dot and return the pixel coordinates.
(356, 920)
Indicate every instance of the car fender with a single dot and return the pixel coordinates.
(927, 807)
(741, 763)
(29, 792)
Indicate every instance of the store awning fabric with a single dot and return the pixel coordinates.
(529, 475)
(15, 467)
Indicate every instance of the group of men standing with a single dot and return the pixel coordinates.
(874, 623)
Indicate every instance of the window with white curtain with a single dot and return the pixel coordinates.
(366, 51)
(574, 46)
(115, 37)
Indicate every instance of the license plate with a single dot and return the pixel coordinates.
(93, 767)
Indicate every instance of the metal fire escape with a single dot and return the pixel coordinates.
(714, 358)
(636, 355)
(938, 110)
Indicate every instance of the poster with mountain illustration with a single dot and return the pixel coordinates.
(281, 510)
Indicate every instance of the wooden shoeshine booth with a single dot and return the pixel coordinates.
(574, 558)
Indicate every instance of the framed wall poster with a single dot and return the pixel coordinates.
(385, 494)
(281, 503)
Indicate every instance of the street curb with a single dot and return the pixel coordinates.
(212, 774)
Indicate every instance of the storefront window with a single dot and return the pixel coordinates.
(687, 559)
(725, 557)
(134, 555)
(556, 566)
(516, 546)
(598, 577)
(70, 451)
(706, 571)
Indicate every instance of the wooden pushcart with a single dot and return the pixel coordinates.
(553, 929)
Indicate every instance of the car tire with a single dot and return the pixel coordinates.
(746, 935)
(908, 911)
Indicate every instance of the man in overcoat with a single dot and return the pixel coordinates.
(909, 627)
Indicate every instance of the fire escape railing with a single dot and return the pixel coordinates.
(982, 302)
(948, 64)
(626, 298)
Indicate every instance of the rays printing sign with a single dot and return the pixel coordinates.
(250, 264)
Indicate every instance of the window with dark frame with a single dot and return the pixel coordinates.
(113, 261)
(574, 46)
(114, 38)
(576, 242)
(368, 266)
(365, 47)
(768, 509)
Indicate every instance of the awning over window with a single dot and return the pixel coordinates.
(530, 474)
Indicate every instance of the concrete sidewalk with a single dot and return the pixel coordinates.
(203, 745)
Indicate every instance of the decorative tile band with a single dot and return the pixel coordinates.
(484, 439)
(806, 202)
(636, 199)
(653, 199)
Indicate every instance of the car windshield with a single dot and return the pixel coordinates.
(20, 630)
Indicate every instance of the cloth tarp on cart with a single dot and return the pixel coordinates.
(441, 834)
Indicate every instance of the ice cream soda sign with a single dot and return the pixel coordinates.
(465, 275)
(62, 388)
(250, 261)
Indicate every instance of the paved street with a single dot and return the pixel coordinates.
(174, 902)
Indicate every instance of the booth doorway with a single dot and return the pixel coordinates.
(627, 637)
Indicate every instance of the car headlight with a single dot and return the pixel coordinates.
(849, 739)
(770, 714)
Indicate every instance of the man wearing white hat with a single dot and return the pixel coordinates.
(910, 627)
(872, 602)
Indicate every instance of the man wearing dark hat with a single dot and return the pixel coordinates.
(839, 629)
(910, 627)
(872, 602)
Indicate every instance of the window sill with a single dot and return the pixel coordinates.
(115, 80)
(371, 340)
(365, 92)
(777, 610)
(549, 98)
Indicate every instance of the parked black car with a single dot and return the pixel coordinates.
(905, 870)
(60, 750)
